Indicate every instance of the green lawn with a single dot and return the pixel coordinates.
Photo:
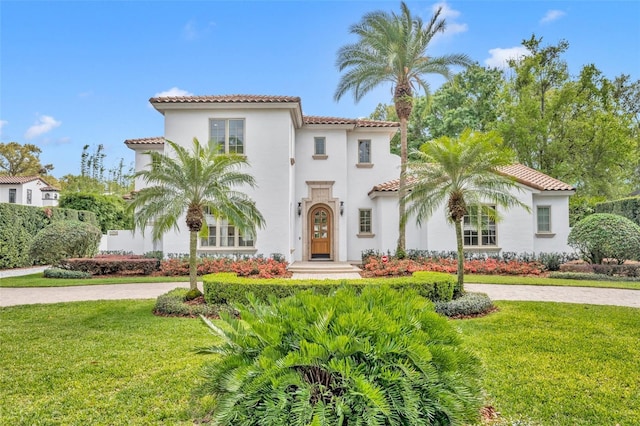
(514, 279)
(38, 280)
(113, 362)
(560, 364)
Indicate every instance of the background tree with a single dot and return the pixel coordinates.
(111, 210)
(188, 182)
(21, 160)
(392, 48)
(461, 173)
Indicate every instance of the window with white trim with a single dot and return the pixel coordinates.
(364, 151)
(543, 215)
(478, 227)
(222, 234)
(12, 195)
(29, 196)
(365, 221)
(319, 146)
(228, 135)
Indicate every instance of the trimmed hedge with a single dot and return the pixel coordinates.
(65, 239)
(108, 265)
(64, 273)
(627, 207)
(603, 236)
(592, 276)
(19, 225)
(227, 288)
(174, 303)
(625, 270)
(469, 304)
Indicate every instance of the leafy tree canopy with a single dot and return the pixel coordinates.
(21, 160)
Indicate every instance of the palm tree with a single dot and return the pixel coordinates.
(189, 182)
(392, 49)
(464, 173)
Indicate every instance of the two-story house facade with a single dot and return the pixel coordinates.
(325, 185)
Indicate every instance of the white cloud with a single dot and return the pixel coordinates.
(174, 91)
(552, 15)
(450, 15)
(193, 31)
(44, 124)
(2, 124)
(499, 57)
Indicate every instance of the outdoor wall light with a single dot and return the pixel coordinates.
(341, 207)
(299, 209)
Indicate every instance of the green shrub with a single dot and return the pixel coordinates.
(606, 236)
(381, 357)
(111, 264)
(467, 305)
(62, 240)
(592, 276)
(229, 288)
(64, 273)
(173, 304)
(628, 207)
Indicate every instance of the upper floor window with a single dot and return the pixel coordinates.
(29, 196)
(478, 227)
(319, 146)
(12, 195)
(228, 135)
(364, 151)
(543, 214)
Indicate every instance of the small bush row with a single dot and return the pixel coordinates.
(625, 270)
(229, 288)
(64, 273)
(551, 261)
(400, 267)
(109, 265)
(259, 267)
(174, 303)
(470, 304)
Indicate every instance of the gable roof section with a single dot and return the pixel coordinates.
(521, 173)
(19, 180)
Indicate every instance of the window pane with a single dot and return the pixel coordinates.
(29, 196)
(245, 239)
(364, 151)
(236, 136)
(218, 132)
(210, 241)
(12, 195)
(320, 146)
(544, 219)
(365, 221)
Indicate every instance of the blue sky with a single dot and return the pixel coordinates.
(81, 72)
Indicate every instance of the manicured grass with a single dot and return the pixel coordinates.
(109, 363)
(38, 280)
(560, 364)
(514, 279)
(113, 362)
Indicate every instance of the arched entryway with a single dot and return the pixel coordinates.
(320, 233)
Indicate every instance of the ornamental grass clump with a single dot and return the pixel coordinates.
(381, 357)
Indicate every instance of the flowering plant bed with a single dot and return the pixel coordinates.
(375, 267)
(256, 267)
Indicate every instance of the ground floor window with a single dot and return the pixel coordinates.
(479, 227)
(223, 234)
(365, 221)
(543, 214)
(12, 195)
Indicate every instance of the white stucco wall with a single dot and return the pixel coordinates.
(556, 241)
(37, 196)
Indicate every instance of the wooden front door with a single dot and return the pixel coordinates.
(320, 228)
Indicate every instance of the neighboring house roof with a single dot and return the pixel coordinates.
(521, 173)
(158, 140)
(19, 180)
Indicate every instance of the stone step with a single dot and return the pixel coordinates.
(323, 267)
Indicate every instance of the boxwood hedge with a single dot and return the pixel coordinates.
(229, 288)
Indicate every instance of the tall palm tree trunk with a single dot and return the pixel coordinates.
(193, 270)
(402, 242)
(459, 289)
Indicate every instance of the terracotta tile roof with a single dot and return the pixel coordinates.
(522, 174)
(17, 180)
(535, 179)
(312, 119)
(225, 99)
(49, 188)
(159, 140)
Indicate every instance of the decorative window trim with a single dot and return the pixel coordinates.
(320, 157)
(550, 228)
(365, 224)
(220, 232)
(491, 231)
(320, 154)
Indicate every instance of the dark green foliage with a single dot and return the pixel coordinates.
(606, 236)
(229, 288)
(627, 207)
(381, 357)
(66, 239)
(108, 265)
(64, 273)
(192, 294)
(467, 305)
(109, 209)
(173, 304)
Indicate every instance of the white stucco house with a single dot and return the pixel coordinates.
(28, 191)
(327, 186)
